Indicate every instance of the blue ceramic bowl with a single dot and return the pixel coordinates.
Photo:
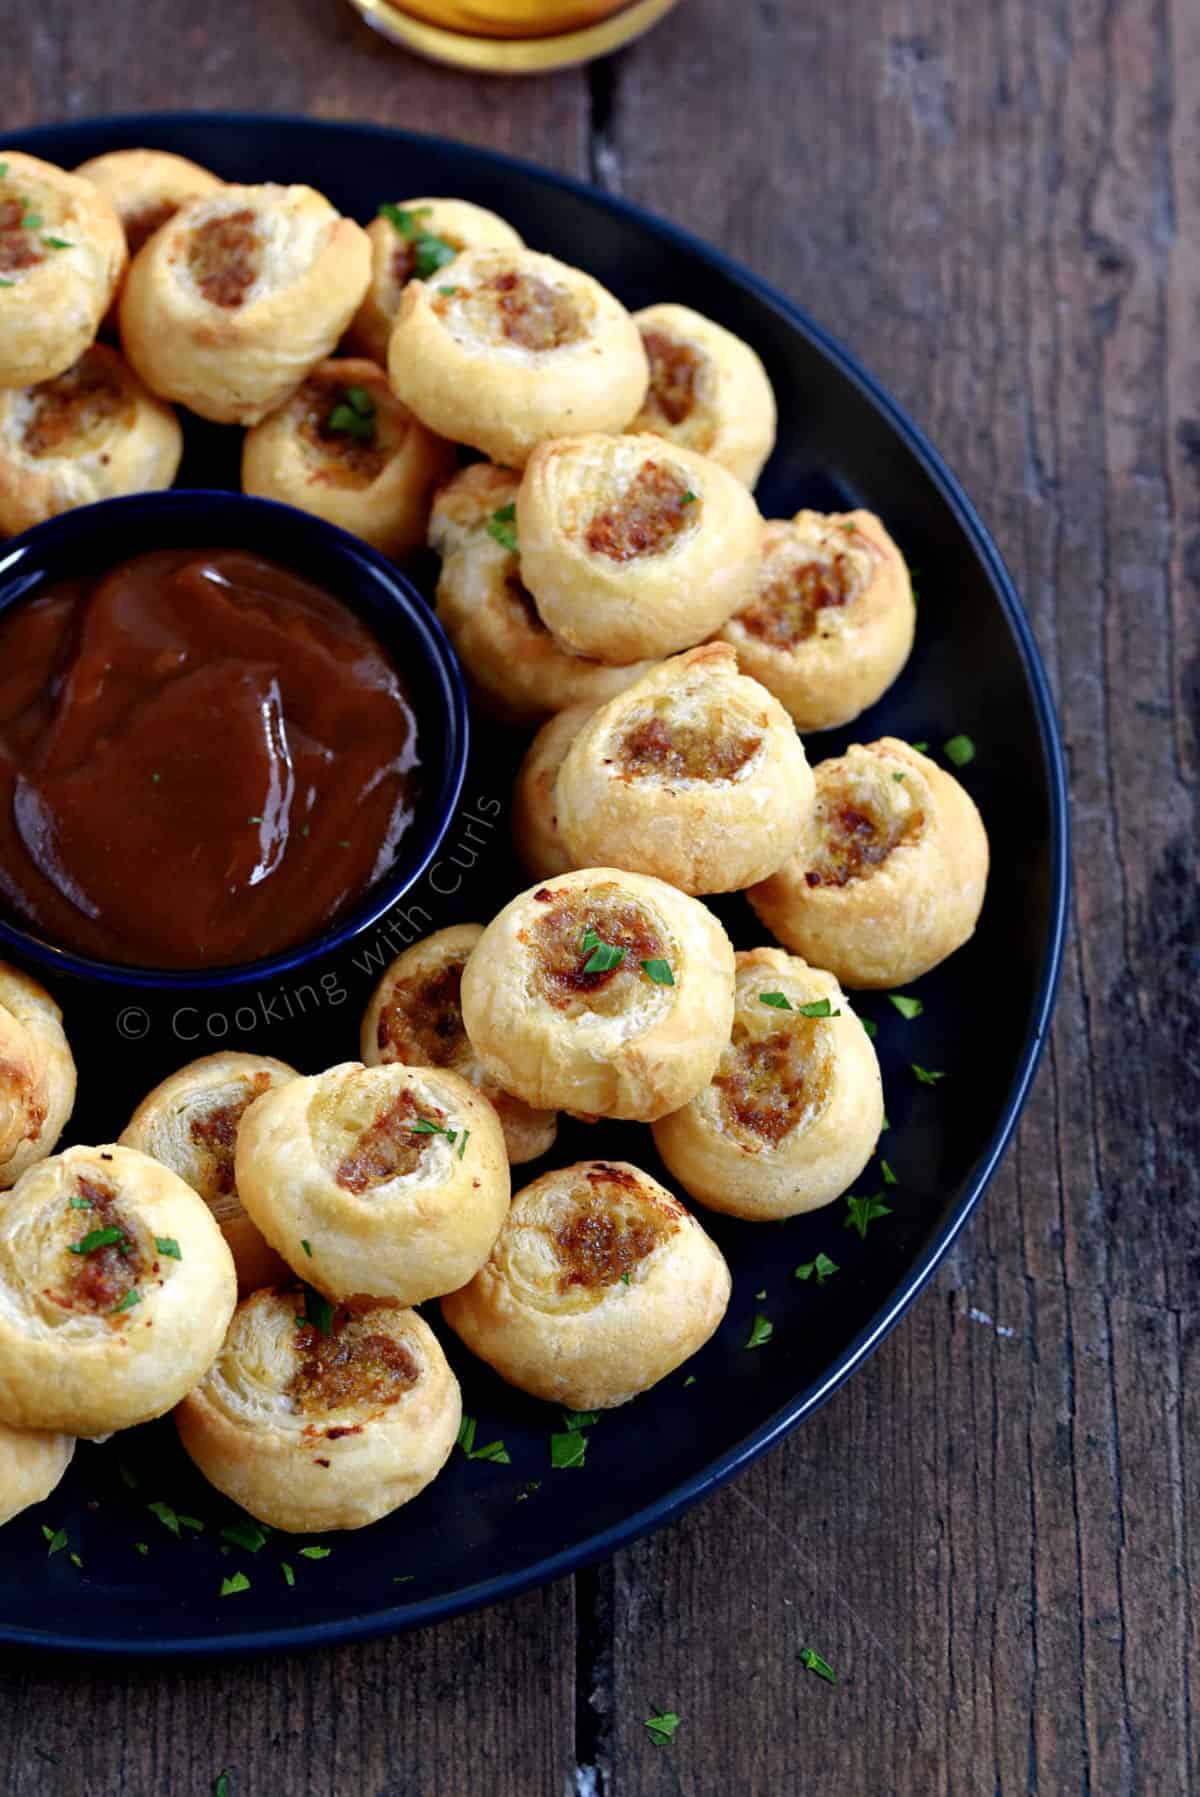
(99, 536)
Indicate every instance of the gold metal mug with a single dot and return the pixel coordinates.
(512, 37)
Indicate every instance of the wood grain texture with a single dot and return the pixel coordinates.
(992, 1533)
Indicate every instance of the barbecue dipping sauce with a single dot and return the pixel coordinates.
(203, 760)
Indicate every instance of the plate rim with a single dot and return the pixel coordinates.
(420, 1613)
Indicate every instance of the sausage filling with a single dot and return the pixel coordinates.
(346, 458)
(101, 1278)
(223, 257)
(355, 1364)
(19, 248)
(388, 1148)
(556, 940)
(422, 1020)
(527, 311)
(79, 404)
(649, 515)
(611, 1228)
(789, 603)
(855, 835)
(674, 373)
(658, 747)
(215, 1130)
(760, 1083)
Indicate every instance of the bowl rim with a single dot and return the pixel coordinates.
(440, 677)
(423, 1611)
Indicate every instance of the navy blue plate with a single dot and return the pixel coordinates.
(485, 1530)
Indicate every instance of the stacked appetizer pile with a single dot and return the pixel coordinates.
(608, 582)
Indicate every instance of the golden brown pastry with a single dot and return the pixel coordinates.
(694, 774)
(535, 832)
(708, 390)
(62, 253)
(415, 1016)
(232, 302)
(325, 1424)
(830, 622)
(792, 1115)
(416, 240)
(147, 187)
(513, 348)
(31, 1465)
(600, 1285)
(37, 1074)
(116, 1288)
(190, 1122)
(519, 673)
(631, 548)
(92, 433)
(604, 993)
(389, 1180)
(890, 872)
(344, 447)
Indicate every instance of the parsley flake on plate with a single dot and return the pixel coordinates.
(289, 1577)
(960, 750)
(761, 1331)
(494, 1450)
(231, 1586)
(812, 1662)
(246, 1535)
(889, 1173)
(568, 1448)
(863, 1212)
(56, 1540)
(822, 1268)
(928, 1076)
(661, 1726)
(315, 1553)
(907, 1007)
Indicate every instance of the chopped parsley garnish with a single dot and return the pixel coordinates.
(928, 1076)
(80, 1203)
(690, 1380)
(57, 243)
(430, 252)
(192, 1522)
(625, 1280)
(132, 1297)
(318, 1311)
(862, 1212)
(914, 574)
(960, 750)
(659, 971)
(246, 1535)
(872, 1029)
(96, 1239)
(165, 1515)
(897, 776)
(661, 1727)
(56, 1540)
(5, 282)
(761, 1331)
(502, 526)
(143, 1547)
(354, 416)
(778, 1001)
(568, 1448)
(494, 1451)
(462, 1146)
(448, 291)
(32, 221)
(3, 170)
(404, 1578)
(403, 220)
(812, 1662)
(602, 957)
(822, 1268)
(889, 1173)
(307, 1247)
(761, 1296)
(921, 748)
(820, 1007)
(907, 1007)
(885, 1124)
(315, 1553)
(231, 1587)
(289, 1577)
(689, 498)
(221, 1785)
(580, 1419)
(424, 1126)
(168, 1247)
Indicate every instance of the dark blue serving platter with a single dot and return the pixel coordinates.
(485, 1530)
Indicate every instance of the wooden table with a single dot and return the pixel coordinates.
(992, 1532)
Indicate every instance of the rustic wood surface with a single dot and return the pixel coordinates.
(992, 1531)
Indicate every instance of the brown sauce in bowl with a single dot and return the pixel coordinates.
(204, 759)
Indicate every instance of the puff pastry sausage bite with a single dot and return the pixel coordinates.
(190, 1122)
(147, 187)
(415, 1016)
(37, 1074)
(390, 1180)
(519, 672)
(535, 832)
(633, 549)
(694, 774)
(793, 1112)
(323, 1425)
(116, 1288)
(830, 622)
(234, 299)
(889, 875)
(92, 433)
(345, 448)
(415, 240)
(516, 347)
(62, 253)
(708, 390)
(31, 1465)
(600, 1285)
(604, 993)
